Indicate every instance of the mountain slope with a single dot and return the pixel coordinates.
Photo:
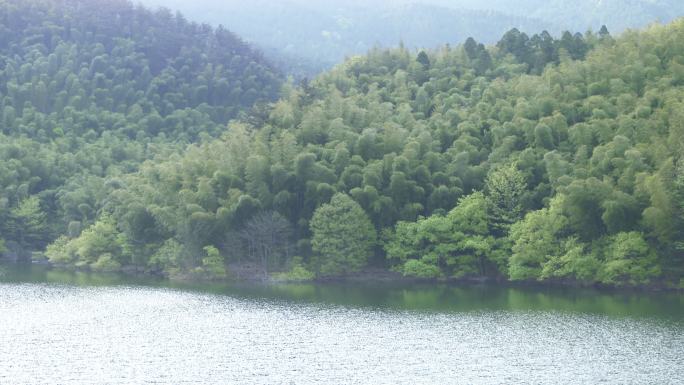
(91, 88)
(111, 56)
(466, 162)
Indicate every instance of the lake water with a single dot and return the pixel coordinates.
(70, 328)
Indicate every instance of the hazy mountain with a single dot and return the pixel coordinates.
(306, 36)
(580, 15)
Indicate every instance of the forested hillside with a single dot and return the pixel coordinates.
(535, 159)
(134, 139)
(90, 89)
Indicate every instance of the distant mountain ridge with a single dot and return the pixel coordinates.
(307, 37)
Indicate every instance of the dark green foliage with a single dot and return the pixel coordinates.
(89, 89)
(423, 59)
(455, 245)
(71, 66)
(542, 49)
(342, 236)
(550, 160)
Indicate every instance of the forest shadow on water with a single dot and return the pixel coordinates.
(81, 328)
(397, 296)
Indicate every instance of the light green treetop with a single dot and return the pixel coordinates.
(342, 236)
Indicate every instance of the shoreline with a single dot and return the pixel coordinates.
(372, 275)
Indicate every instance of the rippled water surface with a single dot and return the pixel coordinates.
(81, 329)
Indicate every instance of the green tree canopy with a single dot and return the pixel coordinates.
(342, 236)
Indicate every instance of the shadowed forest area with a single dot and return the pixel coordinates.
(135, 139)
